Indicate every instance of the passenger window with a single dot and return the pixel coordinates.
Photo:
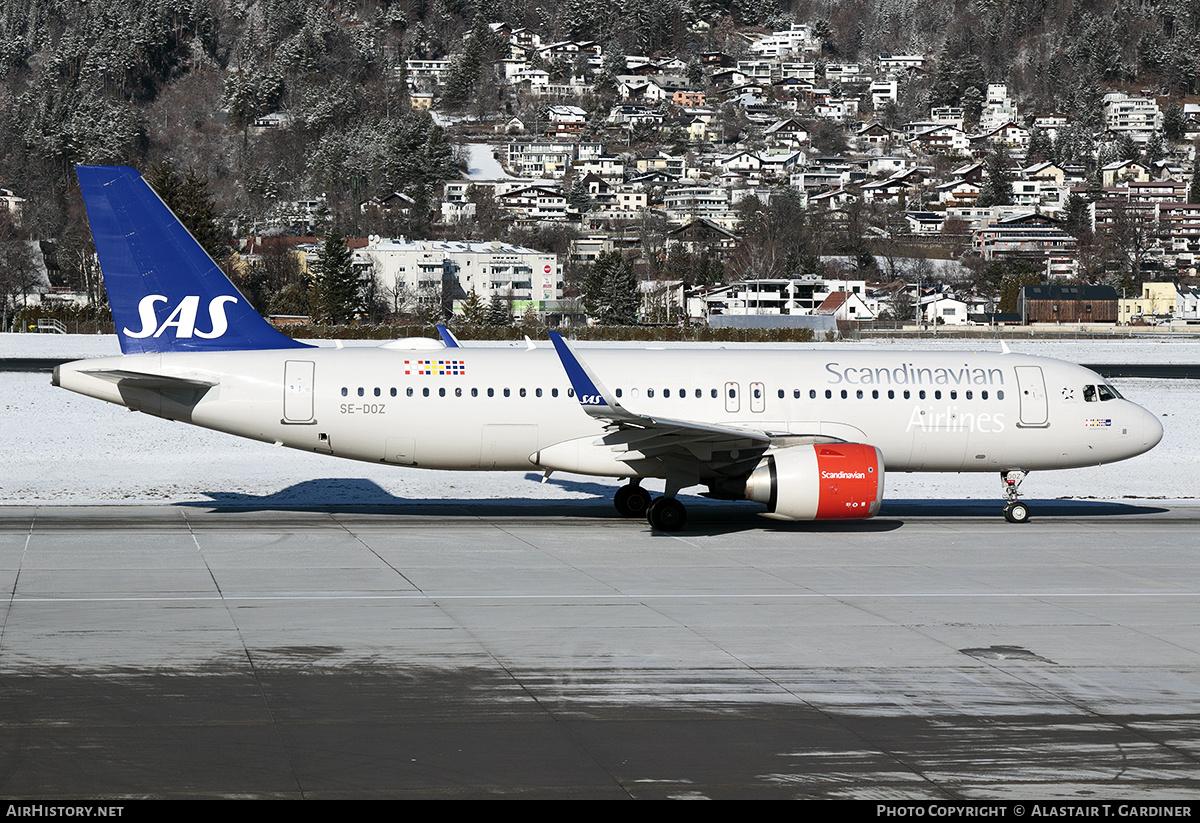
(969, 394)
(828, 394)
(361, 391)
(999, 394)
(554, 392)
(570, 392)
(507, 393)
(618, 393)
(921, 394)
(844, 394)
(458, 392)
(907, 394)
(874, 394)
(537, 392)
(812, 394)
(345, 391)
(491, 392)
(699, 394)
(859, 394)
(377, 391)
(983, 394)
(666, 392)
(474, 392)
(937, 395)
(649, 392)
(891, 394)
(441, 392)
(393, 392)
(409, 391)
(796, 394)
(425, 392)
(953, 395)
(522, 391)
(782, 394)
(714, 393)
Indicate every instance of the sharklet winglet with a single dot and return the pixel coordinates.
(448, 338)
(595, 399)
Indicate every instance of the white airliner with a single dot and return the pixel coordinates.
(807, 434)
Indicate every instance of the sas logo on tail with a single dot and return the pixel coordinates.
(183, 318)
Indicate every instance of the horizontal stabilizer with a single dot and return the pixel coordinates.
(143, 380)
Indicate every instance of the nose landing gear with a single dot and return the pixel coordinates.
(1014, 510)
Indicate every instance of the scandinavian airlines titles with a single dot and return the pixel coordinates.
(909, 375)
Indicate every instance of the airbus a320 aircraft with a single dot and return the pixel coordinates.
(807, 434)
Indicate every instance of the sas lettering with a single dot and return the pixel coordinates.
(591, 400)
(183, 318)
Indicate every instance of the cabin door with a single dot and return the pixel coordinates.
(1035, 411)
(298, 391)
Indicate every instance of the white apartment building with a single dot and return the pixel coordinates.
(998, 109)
(1138, 117)
(795, 295)
(429, 268)
(794, 40)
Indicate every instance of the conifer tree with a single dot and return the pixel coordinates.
(473, 310)
(997, 188)
(187, 196)
(497, 312)
(337, 280)
(610, 291)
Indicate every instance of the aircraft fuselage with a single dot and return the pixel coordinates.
(503, 408)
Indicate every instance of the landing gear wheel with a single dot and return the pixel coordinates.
(1016, 512)
(666, 514)
(631, 501)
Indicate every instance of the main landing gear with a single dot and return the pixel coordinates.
(666, 514)
(1014, 510)
(632, 500)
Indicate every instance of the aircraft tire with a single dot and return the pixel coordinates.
(1016, 513)
(666, 514)
(632, 501)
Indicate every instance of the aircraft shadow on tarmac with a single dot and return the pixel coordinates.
(362, 496)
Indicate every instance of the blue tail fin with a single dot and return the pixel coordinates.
(166, 293)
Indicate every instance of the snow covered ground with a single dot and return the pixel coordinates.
(482, 163)
(63, 448)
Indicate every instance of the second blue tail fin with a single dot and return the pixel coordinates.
(166, 293)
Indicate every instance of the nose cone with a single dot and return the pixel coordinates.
(1152, 430)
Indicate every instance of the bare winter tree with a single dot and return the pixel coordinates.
(20, 272)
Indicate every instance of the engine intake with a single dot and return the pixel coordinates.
(835, 481)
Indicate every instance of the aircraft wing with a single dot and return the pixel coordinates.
(647, 436)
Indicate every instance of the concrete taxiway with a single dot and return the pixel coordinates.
(437, 650)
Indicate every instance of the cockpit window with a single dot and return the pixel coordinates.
(1108, 392)
(1089, 394)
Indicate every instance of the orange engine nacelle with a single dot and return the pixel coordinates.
(832, 481)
